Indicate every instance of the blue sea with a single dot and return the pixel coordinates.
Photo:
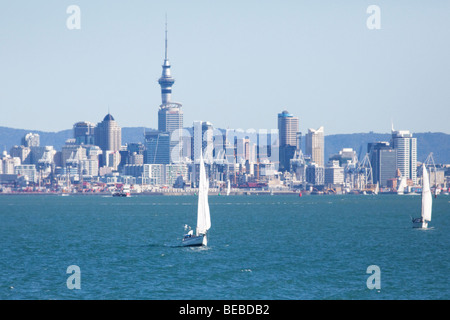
(259, 247)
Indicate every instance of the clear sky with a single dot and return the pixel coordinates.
(236, 64)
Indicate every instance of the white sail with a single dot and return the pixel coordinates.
(402, 185)
(228, 188)
(427, 199)
(203, 216)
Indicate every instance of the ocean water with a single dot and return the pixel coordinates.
(260, 247)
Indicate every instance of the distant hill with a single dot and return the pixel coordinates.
(436, 142)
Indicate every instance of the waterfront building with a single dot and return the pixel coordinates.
(315, 145)
(153, 174)
(28, 171)
(133, 170)
(89, 167)
(173, 172)
(334, 173)
(315, 174)
(383, 159)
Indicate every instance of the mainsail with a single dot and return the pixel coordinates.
(427, 199)
(203, 216)
(402, 185)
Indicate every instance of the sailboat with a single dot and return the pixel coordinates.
(228, 188)
(377, 189)
(402, 186)
(427, 200)
(203, 215)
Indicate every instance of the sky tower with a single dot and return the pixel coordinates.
(160, 144)
(170, 115)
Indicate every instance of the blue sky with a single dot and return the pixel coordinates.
(236, 64)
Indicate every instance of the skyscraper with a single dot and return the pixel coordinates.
(288, 134)
(406, 147)
(383, 159)
(108, 134)
(31, 140)
(315, 146)
(202, 141)
(84, 133)
(157, 147)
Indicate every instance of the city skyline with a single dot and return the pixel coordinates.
(333, 67)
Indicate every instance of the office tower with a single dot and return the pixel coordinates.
(406, 147)
(31, 140)
(315, 146)
(21, 152)
(108, 134)
(157, 146)
(345, 156)
(334, 173)
(84, 133)
(289, 138)
(202, 141)
(383, 159)
(315, 174)
(27, 170)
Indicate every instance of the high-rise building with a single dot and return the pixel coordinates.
(157, 146)
(21, 152)
(31, 140)
(288, 129)
(108, 134)
(84, 132)
(406, 147)
(334, 173)
(315, 146)
(202, 140)
(383, 159)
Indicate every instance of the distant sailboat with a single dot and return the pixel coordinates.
(203, 214)
(228, 188)
(377, 189)
(427, 201)
(402, 186)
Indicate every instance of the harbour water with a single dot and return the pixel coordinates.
(259, 247)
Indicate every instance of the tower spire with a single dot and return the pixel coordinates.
(165, 56)
(166, 81)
